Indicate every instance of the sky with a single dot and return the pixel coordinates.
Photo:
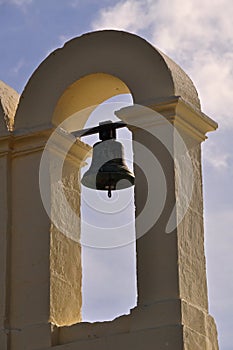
(196, 34)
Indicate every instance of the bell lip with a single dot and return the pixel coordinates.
(107, 189)
(123, 184)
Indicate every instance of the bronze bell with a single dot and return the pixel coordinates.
(108, 170)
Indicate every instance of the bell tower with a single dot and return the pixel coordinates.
(41, 267)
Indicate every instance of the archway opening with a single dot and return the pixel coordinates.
(108, 263)
(110, 289)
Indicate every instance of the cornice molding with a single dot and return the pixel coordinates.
(178, 112)
(5, 145)
(20, 145)
(65, 146)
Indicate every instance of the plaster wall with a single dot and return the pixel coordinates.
(65, 251)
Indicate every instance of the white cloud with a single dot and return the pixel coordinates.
(197, 34)
(219, 160)
(217, 156)
(127, 15)
(213, 75)
(18, 67)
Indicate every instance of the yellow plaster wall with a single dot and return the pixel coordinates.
(65, 252)
(88, 91)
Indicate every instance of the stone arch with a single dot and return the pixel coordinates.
(149, 74)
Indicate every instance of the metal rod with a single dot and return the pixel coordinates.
(96, 129)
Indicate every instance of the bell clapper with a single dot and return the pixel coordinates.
(109, 193)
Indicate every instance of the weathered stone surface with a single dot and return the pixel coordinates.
(65, 248)
(191, 257)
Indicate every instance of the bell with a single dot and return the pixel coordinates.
(108, 170)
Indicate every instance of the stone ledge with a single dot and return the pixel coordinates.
(162, 338)
(165, 313)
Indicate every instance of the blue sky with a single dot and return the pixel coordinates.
(198, 35)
